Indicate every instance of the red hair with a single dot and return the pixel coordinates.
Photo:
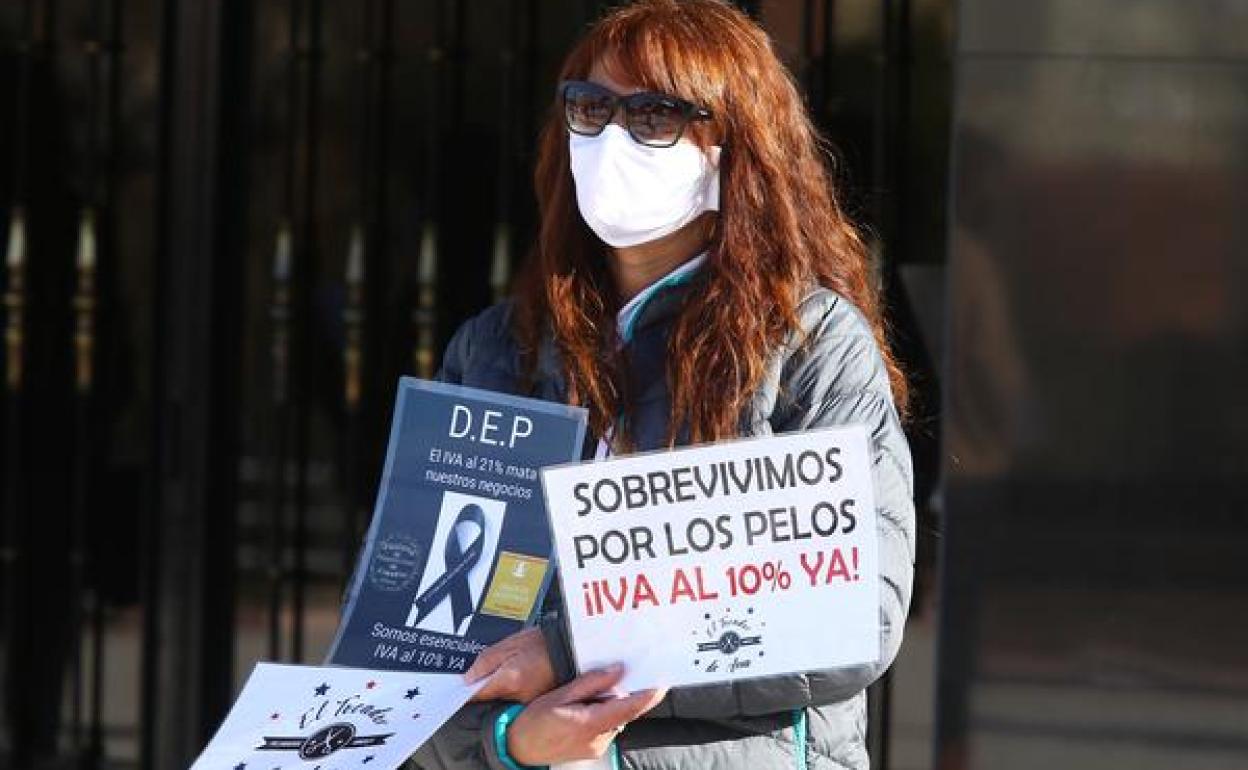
(780, 228)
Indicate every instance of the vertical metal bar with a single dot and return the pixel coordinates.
(15, 353)
(532, 27)
(809, 71)
(829, 54)
(899, 125)
(12, 564)
(25, 53)
(282, 318)
(353, 313)
(197, 399)
(151, 530)
(151, 536)
(504, 224)
(357, 245)
(883, 134)
(353, 370)
(455, 75)
(279, 351)
(377, 239)
(85, 601)
(529, 115)
(305, 251)
(299, 327)
(108, 144)
(365, 266)
(231, 132)
(107, 209)
(425, 313)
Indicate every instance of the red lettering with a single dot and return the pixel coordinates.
(616, 604)
(812, 570)
(681, 588)
(644, 593)
(837, 567)
(703, 593)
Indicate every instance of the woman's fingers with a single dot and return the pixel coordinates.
(493, 661)
(590, 684)
(502, 684)
(487, 664)
(520, 667)
(611, 714)
(488, 661)
(569, 723)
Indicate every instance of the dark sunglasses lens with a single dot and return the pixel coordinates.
(587, 110)
(656, 120)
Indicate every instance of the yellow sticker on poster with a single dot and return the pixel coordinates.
(515, 586)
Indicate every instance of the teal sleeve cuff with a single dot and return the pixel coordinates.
(500, 738)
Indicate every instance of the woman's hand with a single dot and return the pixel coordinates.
(520, 665)
(568, 724)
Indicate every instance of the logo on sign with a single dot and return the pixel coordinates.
(395, 562)
(328, 740)
(730, 643)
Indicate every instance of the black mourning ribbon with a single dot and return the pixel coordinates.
(454, 582)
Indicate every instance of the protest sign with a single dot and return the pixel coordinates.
(332, 718)
(457, 555)
(732, 560)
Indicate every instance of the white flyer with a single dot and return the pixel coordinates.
(724, 561)
(332, 718)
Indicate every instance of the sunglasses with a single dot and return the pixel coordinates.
(652, 119)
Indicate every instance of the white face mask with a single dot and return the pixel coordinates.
(629, 193)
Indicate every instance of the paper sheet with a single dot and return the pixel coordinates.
(332, 718)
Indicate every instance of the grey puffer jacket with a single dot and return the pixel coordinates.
(814, 720)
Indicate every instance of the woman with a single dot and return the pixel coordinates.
(694, 279)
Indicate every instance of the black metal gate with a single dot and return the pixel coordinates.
(229, 227)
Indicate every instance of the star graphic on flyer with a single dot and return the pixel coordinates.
(412, 693)
(371, 684)
(324, 688)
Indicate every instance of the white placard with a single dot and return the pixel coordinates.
(332, 718)
(726, 561)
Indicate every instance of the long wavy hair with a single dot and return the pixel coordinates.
(779, 231)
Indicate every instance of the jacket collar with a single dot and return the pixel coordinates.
(634, 310)
(663, 301)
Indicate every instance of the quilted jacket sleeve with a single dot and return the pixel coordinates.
(457, 354)
(838, 377)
